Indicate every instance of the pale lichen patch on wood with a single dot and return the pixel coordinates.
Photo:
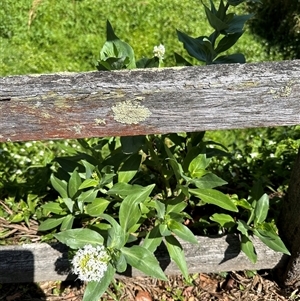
(100, 121)
(130, 112)
(283, 91)
(77, 128)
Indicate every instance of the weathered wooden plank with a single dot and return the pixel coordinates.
(42, 262)
(143, 101)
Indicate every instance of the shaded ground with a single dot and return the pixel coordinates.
(233, 286)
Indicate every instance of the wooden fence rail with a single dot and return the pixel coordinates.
(154, 101)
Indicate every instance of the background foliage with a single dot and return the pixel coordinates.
(40, 36)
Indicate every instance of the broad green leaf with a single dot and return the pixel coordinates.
(74, 184)
(230, 59)
(209, 180)
(78, 238)
(94, 289)
(237, 2)
(50, 223)
(116, 235)
(148, 63)
(124, 189)
(67, 222)
(243, 227)
(129, 168)
(228, 41)
(244, 204)
(121, 264)
(224, 220)
(182, 231)
(60, 186)
(89, 168)
(97, 207)
(181, 61)
(152, 240)
(261, 209)
(198, 165)
(237, 23)
(177, 254)
(129, 212)
(195, 47)
(88, 183)
(143, 260)
(69, 203)
(115, 48)
(160, 208)
(87, 196)
(132, 144)
(214, 21)
(211, 196)
(248, 248)
(272, 240)
(177, 205)
(164, 230)
(53, 207)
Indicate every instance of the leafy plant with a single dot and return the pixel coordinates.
(208, 48)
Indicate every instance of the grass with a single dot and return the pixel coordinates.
(42, 36)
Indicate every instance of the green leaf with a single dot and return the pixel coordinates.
(261, 209)
(211, 196)
(87, 196)
(74, 184)
(143, 260)
(243, 227)
(181, 61)
(132, 144)
(224, 220)
(230, 59)
(176, 205)
(97, 207)
(228, 41)
(116, 235)
(237, 23)
(209, 180)
(60, 186)
(152, 240)
(78, 238)
(214, 21)
(124, 189)
(198, 48)
(94, 289)
(53, 207)
(121, 264)
(160, 209)
(50, 223)
(129, 212)
(121, 53)
(182, 231)
(248, 248)
(129, 168)
(236, 2)
(176, 253)
(148, 63)
(272, 240)
(69, 203)
(88, 183)
(198, 165)
(67, 222)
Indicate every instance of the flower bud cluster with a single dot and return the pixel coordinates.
(90, 263)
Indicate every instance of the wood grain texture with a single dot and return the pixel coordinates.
(143, 101)
(42, 262)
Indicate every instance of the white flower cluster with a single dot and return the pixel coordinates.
(90, 263)
(159, 51)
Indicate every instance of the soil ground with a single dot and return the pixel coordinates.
(202, 287)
